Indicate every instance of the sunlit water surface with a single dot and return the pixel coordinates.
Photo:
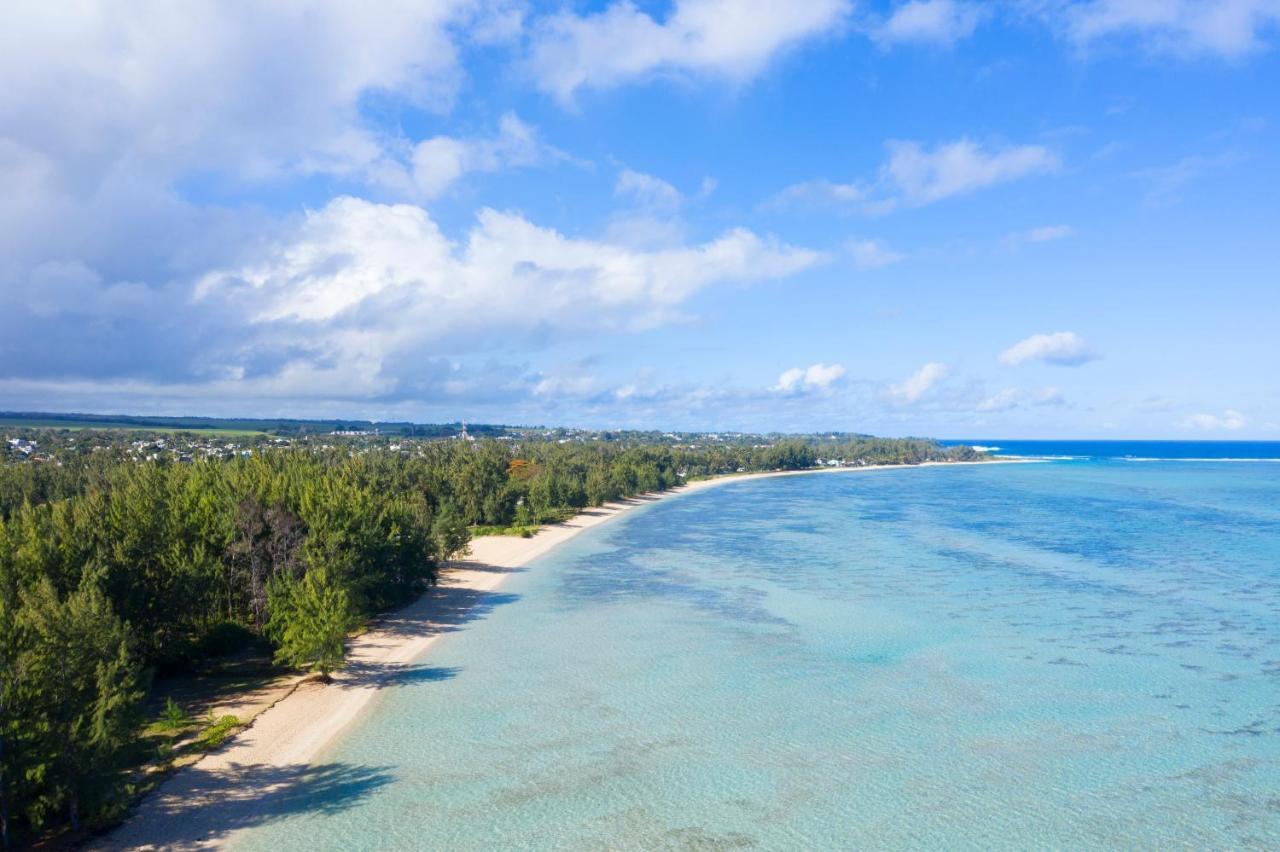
(1071, 654)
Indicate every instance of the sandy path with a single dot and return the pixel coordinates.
(268, 769)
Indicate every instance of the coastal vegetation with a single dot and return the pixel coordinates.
(120, 571)
(310, 620)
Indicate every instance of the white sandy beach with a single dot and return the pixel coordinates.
(257, 773)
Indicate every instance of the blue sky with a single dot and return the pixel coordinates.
(1033, 218)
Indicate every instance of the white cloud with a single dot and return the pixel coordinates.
(733, 39)
(254, 89)
(378, 284)
(915, 175)
(818, 192)
(1167, 182)
(1063, 348)
(1042, 234)
(819, 377)
(1011, 398)
(920, 383)
(653, 219)
(1230, 420)
(1048, 233)
(157, 103)
(873, 254)
(1228, 28)
(353, 250)
(648, 190)
(437, 163)
(561, 386)
(936, 21)
(1048, 396)
(1003, 401)
(922, 176)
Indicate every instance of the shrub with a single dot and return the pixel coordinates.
(217, 731)
(173, 717)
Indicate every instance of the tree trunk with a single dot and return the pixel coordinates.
(73, 810)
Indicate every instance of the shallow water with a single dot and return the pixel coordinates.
(1058, 655)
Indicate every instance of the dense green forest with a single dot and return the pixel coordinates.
(115, 571)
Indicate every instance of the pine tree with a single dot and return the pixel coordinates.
(8, 648)
(310, 619)
(77, 692)
(450, 533)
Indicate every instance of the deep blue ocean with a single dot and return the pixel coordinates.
(1069, 654)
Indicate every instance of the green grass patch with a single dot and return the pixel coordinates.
(522, 530)
(175, 719)
(217, 731)
(558, 516)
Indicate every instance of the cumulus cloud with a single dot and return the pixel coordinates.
(358, 300)
(1230, 420)
(437, 163)
(174, 297)
(731, 39)
(873, 254)
(155, 105)
(249, 89)
(930, 21)
(920, 383)
(816, 377)
(360, 282)
(1227, 28)
(1063, 348)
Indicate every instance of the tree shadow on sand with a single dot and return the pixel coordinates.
(483, 567)
(199, 807)
(626, 502)
(443, 609)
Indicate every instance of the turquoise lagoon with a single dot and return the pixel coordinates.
(1072, 654)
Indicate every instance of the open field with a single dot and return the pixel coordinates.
(81, 425)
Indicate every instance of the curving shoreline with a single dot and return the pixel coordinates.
(204, 805)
